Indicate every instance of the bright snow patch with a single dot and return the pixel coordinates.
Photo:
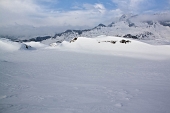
(36, 45)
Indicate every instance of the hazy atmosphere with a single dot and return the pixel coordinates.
(47, 17)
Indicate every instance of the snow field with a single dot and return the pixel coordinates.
(76, 78)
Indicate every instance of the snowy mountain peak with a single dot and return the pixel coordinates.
(101, 25)
(125, 17)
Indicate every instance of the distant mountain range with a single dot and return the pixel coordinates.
(153, 28)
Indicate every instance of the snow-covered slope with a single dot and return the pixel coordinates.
(106, 45)
(88, 75)
(111, 45)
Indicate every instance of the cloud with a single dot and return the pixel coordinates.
(100, 8)
(18, 11)
(26, 16)
(131, 6)
(18, 6)
(8, 46)
(164, 16)
(28, 12)
(37, 13)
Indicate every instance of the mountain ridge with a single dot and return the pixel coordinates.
(143, 27)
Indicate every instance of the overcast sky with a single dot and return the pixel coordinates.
(62, 14)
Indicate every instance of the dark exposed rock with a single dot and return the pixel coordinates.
(58, 42)
(73, 40)
(26, 47)
(130, 36)
(125, 41)
(131, 25)
(102, 25)
(37, 39)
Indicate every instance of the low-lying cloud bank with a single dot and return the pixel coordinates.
(9, 46)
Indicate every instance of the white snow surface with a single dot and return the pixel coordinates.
(85, 76)
(101, 45)
(36, 45)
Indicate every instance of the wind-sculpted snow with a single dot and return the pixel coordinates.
(85, 76)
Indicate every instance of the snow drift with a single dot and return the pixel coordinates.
(110, 45)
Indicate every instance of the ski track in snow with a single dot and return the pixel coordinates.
(55, 81)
